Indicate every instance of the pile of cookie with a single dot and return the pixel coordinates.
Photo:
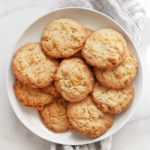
(75, 77)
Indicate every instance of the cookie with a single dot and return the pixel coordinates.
(120, 76)
(54, 115)
(51, 90)
(74, 80)
(87, 119)
(104, 48)
(32, 97)
(62, 38)
(112, 101)
(32, 67)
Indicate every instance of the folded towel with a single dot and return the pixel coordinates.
(105, 144)
(130, 14)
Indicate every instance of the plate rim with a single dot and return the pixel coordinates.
(9, 66)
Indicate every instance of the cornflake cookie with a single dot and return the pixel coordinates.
(63, 38)
(112, 101)
(105, 48)
(87, 119)
(120, 76)
(32, 67)
(32, 97)
(51, 90)
(74, 80)
(54, 115)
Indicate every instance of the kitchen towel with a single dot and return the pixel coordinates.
(130, 14)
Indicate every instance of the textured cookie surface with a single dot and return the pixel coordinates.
(120, 76)
(62, 38)
(32, 97)
(105, 48)
(112, 101)
(54, 115)
(87, 119)
(74, 80)
(32, 67)
(51, 90)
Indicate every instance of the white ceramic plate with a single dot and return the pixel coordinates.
(29, 116)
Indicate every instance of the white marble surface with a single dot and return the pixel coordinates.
(15, 16)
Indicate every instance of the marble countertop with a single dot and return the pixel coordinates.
(15, 16)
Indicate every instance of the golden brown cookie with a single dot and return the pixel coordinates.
(74, 80)
(105, 48)
(32, 67)
(87, 119)
(32, 97)
(63, 38)
(120, 76)
(51, 90)
(54, 115)
(112, 101)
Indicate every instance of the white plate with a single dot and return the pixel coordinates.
(29, 117)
